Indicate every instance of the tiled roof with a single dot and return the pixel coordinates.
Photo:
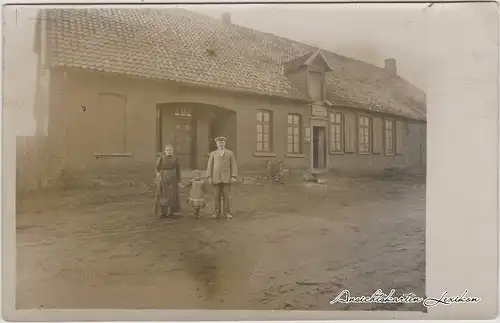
(186, 47)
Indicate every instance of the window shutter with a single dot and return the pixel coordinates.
(350, 132)
(400, 133)
(377, 135)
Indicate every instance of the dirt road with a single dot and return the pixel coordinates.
(288, 247)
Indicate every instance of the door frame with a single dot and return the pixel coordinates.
(325, 142)
(166, 120)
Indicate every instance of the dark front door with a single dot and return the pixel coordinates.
(184, 135)
(319, 147)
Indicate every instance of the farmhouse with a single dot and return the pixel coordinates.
(123, 83)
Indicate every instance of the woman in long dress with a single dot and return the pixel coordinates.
(168, 176)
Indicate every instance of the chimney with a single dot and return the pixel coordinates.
(226, 18)
(391, 67)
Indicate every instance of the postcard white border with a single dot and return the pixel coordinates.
(462, 194)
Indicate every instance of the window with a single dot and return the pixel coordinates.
(389, 136)
(294, 137)
(364, 134)
(336, 131)
(264, 131)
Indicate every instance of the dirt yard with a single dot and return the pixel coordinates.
(295, 246)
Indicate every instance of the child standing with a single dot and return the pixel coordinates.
(197, 194)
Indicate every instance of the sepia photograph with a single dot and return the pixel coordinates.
(220, 157)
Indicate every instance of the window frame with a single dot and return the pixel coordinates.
(393, 136)
(341, 133)
(368, 129)
(294, 126)
(262, 123)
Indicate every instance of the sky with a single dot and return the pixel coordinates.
(368, 32)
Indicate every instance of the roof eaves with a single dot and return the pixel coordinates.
(355, 104)
(288, 96)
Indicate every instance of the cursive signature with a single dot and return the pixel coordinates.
(445, 300)
(379, 297)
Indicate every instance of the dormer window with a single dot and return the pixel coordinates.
(316, 85)
(308, 72)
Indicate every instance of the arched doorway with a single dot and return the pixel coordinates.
(191, 129)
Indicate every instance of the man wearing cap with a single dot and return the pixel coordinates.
(221, 172)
